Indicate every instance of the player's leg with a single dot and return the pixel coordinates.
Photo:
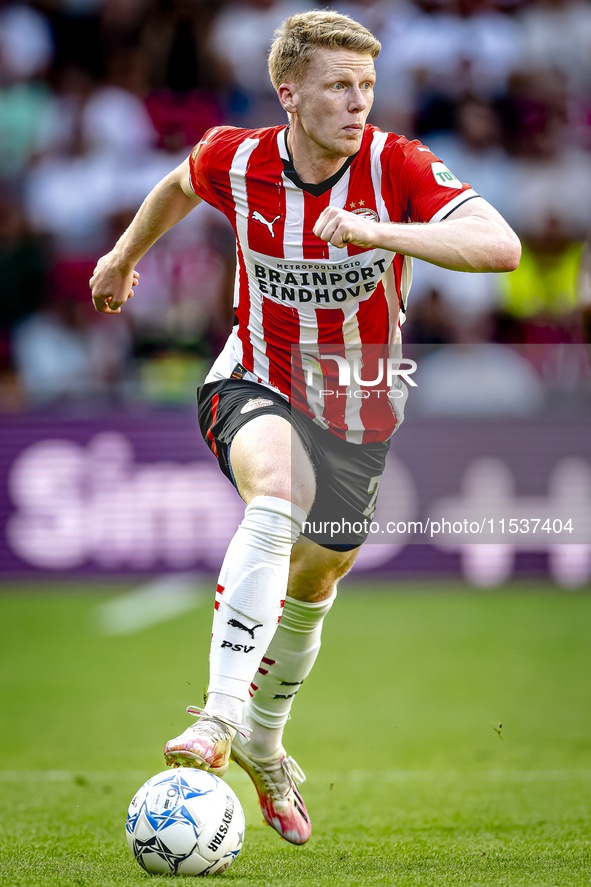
(348, 477)
(275, 477)
(314, 574)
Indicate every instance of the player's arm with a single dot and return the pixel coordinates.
(474, 237)
(114, 276)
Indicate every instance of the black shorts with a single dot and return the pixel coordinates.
(347, 475)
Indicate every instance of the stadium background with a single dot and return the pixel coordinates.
(98, 100)
(114, 518)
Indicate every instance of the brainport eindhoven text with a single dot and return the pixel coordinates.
(331, 285)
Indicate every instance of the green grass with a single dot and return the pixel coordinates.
(408, 781)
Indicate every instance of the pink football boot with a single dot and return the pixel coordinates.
(205, 745)
(275, 781)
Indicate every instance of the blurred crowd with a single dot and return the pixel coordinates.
(99, 99)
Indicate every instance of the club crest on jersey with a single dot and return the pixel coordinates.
(257, 217)
(367, 213)
(254, 403)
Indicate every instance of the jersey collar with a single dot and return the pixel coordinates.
(316, 190)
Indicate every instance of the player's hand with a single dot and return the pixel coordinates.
(111, 285)
(340, 227)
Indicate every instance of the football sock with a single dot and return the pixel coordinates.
(249, 599)
(283, 669)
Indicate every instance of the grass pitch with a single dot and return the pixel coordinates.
(446, 737)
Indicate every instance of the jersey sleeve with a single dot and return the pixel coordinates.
(202, 167)
(424, 189)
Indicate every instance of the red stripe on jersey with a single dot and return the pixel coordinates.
(220, 588)
(214, 411)
(266, 202)
(243, 311)
(373, 318)
(216, 606)
(314, 247)
(376, 412)
(397, 268)
(331, 341)
(361, 197)
(281, 327)
(268, 661)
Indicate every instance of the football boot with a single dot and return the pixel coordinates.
(275, 780)
(205, 745)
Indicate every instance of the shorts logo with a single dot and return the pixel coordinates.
(256, 402)
(366, 213)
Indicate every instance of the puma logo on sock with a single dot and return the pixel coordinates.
(235, 624)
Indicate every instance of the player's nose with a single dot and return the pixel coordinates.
(360, 99)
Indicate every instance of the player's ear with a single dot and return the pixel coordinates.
(288, 97)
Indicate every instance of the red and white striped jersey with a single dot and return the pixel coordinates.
(298, 299)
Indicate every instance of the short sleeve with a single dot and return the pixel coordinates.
(427, 190)
(202, 170)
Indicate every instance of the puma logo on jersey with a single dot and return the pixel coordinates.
(235, 624)
(259, 218)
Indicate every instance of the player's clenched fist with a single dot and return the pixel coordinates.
(339, 227)
(111, 285)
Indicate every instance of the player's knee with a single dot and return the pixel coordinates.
(285, 485)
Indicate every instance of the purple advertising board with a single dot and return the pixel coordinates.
(140, 495)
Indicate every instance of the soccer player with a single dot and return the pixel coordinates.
(328, 212)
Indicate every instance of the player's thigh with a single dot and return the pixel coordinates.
(269, 459)
(314, 570)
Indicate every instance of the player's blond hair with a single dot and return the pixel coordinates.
(300, 35)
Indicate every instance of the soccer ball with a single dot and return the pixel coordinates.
(185, 822)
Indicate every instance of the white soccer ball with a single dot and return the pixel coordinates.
(185, 822)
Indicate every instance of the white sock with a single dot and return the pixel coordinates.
(249, 599)
(283, 669)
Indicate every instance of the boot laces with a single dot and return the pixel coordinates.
(280, 776)
(293, 770)
(212, 723)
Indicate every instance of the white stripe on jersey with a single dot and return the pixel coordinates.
(256, 333)
(240, 196)
(460, 198)
(338, 198)
(238, 183)
(351, 336)
(309, 342)
(377, 146)
(283, 152)
(293, 231)
(237, 339)
(405, 280)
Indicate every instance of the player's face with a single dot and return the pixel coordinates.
(334, 98)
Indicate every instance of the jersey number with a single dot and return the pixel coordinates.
(373, 489)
